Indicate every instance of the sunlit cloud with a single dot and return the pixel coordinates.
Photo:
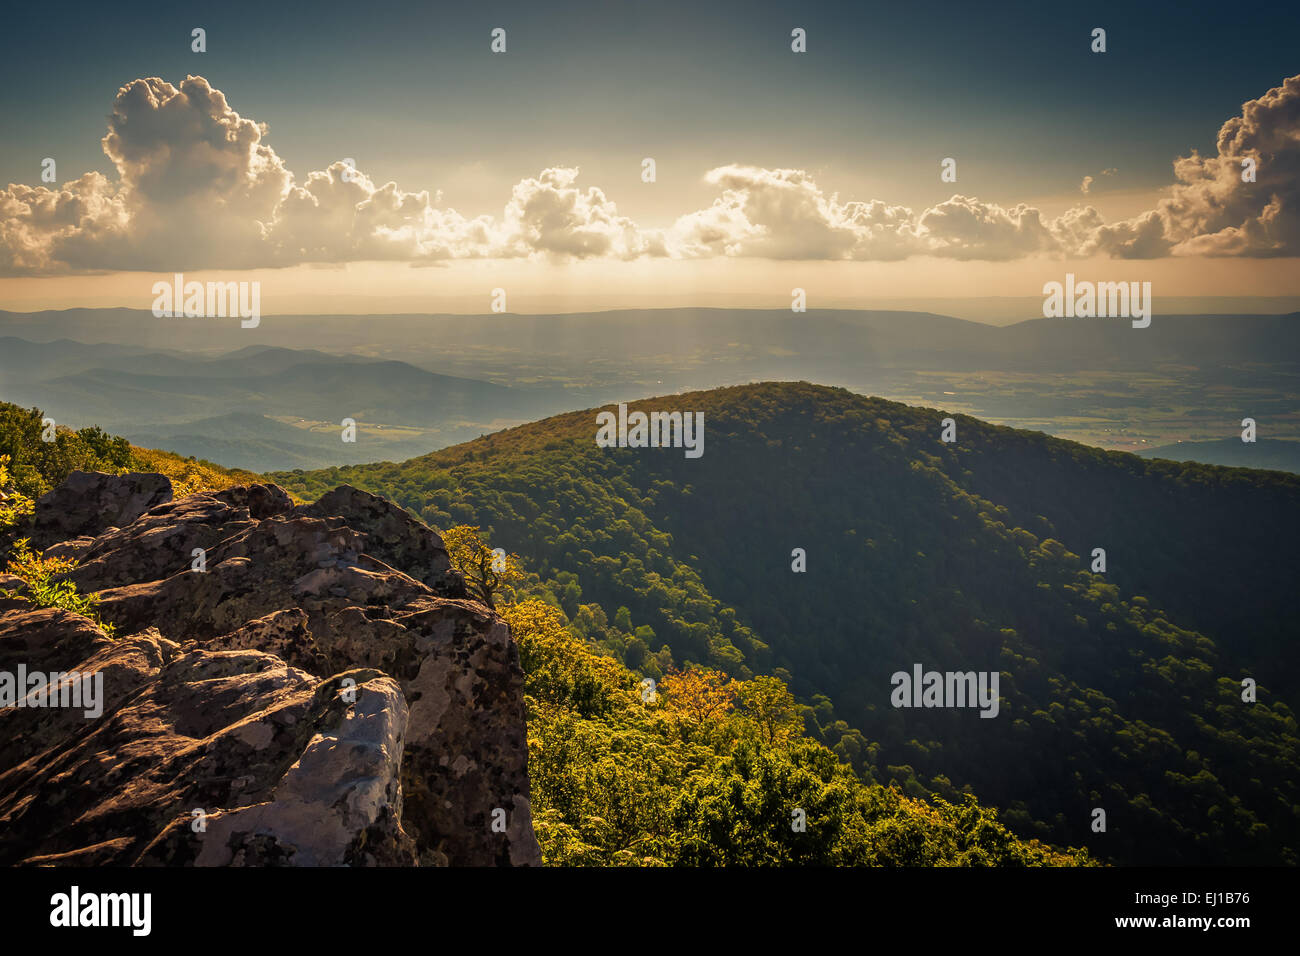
(198, 187)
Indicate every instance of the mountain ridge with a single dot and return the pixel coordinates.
(353, 769)
(946, 568)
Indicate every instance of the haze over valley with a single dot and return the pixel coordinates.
(415, 383)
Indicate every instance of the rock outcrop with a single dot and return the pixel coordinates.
(88, 502)
(288, 685)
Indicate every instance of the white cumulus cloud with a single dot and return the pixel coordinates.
(198, 187)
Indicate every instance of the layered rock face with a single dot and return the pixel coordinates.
(287, 685)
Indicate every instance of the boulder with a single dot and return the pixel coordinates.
(90, 502)
(322, 690)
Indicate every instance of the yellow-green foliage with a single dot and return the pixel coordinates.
(706, 770)
(485, 572)
(189, 475)
(40, 589)
(14, 505)
(702, 769)
(32, 465)
(42, 454)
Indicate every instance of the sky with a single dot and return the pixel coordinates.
(524, 169)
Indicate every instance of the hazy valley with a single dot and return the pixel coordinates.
(416, 383)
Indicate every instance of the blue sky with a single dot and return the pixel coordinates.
(413, 94)
(414, 90)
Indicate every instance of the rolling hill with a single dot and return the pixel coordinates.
(259, 443)
(225, 406)
(723, 766)
(1121, 691)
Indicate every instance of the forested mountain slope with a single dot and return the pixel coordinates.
(1120, 691)
(701, 769)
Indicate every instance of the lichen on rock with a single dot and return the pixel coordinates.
(318, 691)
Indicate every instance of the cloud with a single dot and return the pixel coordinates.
(1086, 185)
(40, 227)
(340, 215)
(783, 214)
(198, 187)
(966, 228)
(195, 187)
(549, 215)
(1210, 211)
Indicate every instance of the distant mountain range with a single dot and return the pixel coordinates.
(1273, 454)
(224, 407)
(841, 337)
(259, 443)
(421, 382)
